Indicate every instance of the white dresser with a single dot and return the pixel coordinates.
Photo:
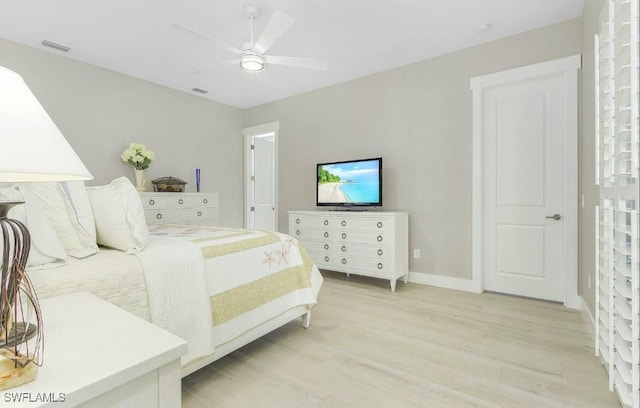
(180, 208)
(371, 243)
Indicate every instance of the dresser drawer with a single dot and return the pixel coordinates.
(318, 246)
(322, 260)
(167, 201)
(369, 251)
(198, 215)
(310, 221)
(312, 233)
(203, 216)
(365, 224)
(375, 267)
(166, 216)
(362, 237)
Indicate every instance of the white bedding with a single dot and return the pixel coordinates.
(178, 301)
(110, 274)
(251, 277)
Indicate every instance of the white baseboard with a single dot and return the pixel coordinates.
(469, 285)
(588, 318)
(447, 282)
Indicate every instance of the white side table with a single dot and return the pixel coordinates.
(98, 355)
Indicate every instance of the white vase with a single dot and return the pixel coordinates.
(140, 181)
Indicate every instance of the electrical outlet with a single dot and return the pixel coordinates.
(416, 253)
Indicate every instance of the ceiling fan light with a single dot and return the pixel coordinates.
(252, 63)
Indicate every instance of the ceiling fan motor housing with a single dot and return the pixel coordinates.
(251, 11)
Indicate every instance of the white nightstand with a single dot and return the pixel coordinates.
(98, 355)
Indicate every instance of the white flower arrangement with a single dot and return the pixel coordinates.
(138, 156)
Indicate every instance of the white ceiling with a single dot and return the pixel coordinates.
(357, 37)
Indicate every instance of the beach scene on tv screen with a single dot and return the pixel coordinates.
(349, 183)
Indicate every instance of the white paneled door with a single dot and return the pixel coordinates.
(261, 177)
(523, 145)
(264, 182)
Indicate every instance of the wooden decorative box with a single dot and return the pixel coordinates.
(168, 185)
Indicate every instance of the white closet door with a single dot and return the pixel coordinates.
(523, 136)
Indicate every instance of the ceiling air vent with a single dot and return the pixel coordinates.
(198, 90)
(57, 46)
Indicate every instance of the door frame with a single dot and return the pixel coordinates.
(248, 134)
(568, 67)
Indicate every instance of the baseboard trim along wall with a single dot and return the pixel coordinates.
(442, 281)
(470, 285)
(588, 318)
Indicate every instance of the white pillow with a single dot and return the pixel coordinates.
(79, 207)
(119, 216)
(46, 249)
(67, 206)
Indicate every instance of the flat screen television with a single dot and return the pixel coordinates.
(350, 183)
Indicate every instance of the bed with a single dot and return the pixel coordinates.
(217, 288)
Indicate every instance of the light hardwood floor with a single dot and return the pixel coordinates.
(418, 347)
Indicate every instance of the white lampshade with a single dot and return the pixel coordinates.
(32, 148)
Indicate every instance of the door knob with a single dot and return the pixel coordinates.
(554, 217)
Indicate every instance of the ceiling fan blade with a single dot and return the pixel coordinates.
(277, 26)
(220, 43)
(298, 62)
(235, 61)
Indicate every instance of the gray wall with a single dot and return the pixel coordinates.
(100, 112)
(419, 119)
(590, 18)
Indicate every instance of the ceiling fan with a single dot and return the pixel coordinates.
(252, 55)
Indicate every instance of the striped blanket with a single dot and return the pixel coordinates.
(250, 276)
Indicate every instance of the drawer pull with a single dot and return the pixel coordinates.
(326, 246)
(379, 238)
(344, 261)
(343, 223)
(205, 201)
(379, 251)
(326, 259)
(343, 249)
(379, 224)
(297, 220)
(297, 232)
(199, 213)
(152, 202)
(344, 236)
(326, 222)
(181, 201)
(159, 216)
(326, 235)
(380, 266)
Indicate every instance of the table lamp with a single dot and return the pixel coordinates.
(32, 149)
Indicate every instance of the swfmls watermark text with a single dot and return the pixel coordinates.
(25, 397)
